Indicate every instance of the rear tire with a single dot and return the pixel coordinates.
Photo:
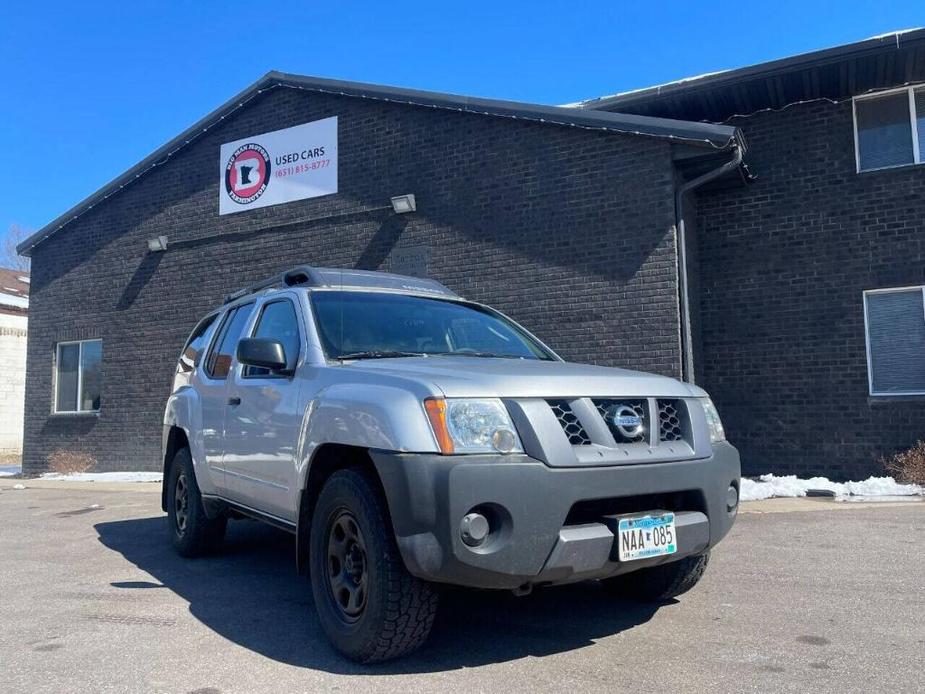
(368, 604)
(192, 533)
(659, 583)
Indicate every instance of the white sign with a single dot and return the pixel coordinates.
(277, 167)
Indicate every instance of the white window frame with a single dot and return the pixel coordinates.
(870, 372)
(80, 376)
(913, 122)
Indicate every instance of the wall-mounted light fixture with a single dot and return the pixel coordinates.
(404, 203)
(158, 245)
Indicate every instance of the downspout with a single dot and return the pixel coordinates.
(687, 348)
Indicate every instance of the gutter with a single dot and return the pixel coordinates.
(687, 350)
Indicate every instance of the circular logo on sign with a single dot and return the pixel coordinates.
(247, 173)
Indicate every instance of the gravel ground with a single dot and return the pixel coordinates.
(92, 599)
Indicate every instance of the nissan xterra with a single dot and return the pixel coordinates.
(410, 438)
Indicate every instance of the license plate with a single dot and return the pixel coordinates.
(643, 537)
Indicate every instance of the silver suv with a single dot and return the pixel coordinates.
(410, 438)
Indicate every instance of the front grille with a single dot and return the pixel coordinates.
(577, 436)
(608, 407)
(669, 420)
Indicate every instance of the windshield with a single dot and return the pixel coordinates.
(379, 325)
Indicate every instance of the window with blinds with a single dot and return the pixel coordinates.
(888, 128)
(895, 320)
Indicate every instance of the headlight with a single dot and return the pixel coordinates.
(715, 425)
(472, 426)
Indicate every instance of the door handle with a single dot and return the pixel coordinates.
(234, 401)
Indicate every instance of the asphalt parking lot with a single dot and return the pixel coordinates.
(92, 599)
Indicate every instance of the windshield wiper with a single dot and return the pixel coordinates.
(379, 354)
(487, 355)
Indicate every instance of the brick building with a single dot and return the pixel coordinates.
(830, 229)
(561, 218)
(567, 218)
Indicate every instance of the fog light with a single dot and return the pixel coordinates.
(474, 529)
(503, 440)
(732, 498)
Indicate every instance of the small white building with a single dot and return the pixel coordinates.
(14, 308)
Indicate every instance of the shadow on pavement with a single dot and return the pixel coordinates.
(251, 595)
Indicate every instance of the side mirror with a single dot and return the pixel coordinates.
(263, 353)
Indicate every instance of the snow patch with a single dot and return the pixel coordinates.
(9, 470)
(791, 486)
(105, 477)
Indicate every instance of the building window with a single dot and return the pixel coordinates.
(895, 321)
(78, 376)
(888, 128)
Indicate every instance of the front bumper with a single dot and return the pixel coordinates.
(545, 522)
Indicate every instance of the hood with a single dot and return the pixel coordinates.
(474, 377)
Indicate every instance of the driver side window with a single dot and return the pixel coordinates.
(278, 321)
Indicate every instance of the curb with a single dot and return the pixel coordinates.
(7, 484)
(804, 503)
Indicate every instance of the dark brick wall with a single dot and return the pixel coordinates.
(569, 231)
(783, 264)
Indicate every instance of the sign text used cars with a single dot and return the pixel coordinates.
(279, 166)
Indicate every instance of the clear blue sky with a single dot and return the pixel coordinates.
(90, 88)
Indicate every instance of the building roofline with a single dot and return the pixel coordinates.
(704, 134)
(894, 39)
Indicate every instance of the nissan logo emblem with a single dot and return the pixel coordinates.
(626, 421)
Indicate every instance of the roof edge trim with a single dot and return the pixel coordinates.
(891, 40)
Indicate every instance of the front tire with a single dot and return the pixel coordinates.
(660, 583)
(368, 604)
(192, 532)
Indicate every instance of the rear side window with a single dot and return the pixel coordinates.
(223, 349)
(278, 321)
(195, 346)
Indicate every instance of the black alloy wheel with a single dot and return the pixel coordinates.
(181, 503)
(347, 566)
(192, 532)
(369, 605)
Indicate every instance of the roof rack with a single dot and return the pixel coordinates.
(308, 276)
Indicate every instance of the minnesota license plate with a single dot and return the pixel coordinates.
(643, 537)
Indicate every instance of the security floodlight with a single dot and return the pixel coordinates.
(158, 245)
(404, 203)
